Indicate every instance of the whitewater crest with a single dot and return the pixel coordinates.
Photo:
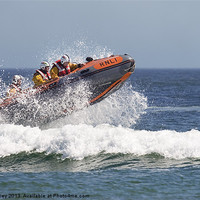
(80, 141)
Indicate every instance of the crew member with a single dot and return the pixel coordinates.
(42, 75)
(15, 87)
(63, 67)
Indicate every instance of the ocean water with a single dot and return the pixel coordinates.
(142, 142)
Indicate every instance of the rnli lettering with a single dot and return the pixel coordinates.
(108, 62)
(101, 64)
(112, 61)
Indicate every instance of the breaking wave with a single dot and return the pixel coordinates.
(80, 141)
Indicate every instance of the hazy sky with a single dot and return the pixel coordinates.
(158, 34)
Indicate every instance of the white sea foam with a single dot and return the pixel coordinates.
(79, 141)
(38, 111)
(123, 107)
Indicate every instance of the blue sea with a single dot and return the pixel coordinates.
(142, 142)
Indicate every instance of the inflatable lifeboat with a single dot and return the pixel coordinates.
(103, 77)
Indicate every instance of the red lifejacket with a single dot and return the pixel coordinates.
(62, 71)
(46, 76)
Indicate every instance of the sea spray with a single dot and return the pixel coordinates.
(77, 51)
(37, 110)
(124, 107)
